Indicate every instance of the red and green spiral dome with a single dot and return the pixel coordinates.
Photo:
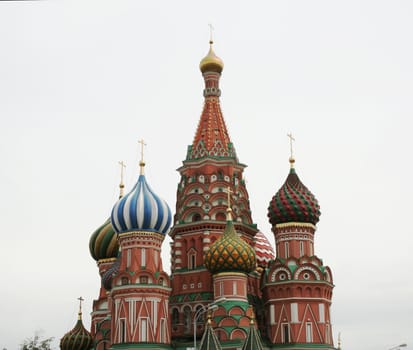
(293, 203)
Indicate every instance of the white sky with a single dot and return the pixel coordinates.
(82, 81)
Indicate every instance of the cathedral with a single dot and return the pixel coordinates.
(228, 287)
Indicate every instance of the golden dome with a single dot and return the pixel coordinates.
(230, 253)
(211, 62)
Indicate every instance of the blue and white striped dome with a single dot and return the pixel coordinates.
(141, 210)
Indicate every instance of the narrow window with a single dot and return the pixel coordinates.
(294, 312)
(285, 333)
(287, 253)
(321, 312)
(175, 317)
(143, 330)
(328, 339)
(162, 331)
(308, 332)
(234, 288)
(193, 264)
(187, 319)
(301, 248)
(272, 314)
(122, 330)
(128, 258)
(143, 257)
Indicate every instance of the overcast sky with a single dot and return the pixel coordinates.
(82, 81)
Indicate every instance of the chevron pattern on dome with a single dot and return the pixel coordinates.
(141, 210)
(293, 203)
(263, 249)
(103, 243)
(230, 253)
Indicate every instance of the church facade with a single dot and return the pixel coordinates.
(228, 288)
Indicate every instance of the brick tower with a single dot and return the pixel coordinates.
(210, 167)
(297, 287)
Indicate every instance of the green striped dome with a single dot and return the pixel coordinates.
(103, 243)
(78, 338)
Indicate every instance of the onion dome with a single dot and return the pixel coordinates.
(141, 210)
(230, 252)
(78, 338)
(263, 249)
(103, 243)
(211, 62)
(293, 202)
(111, 272)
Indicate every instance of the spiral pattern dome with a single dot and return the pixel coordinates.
(263, 249)
(78, 338)
(230, 253)
(211, 62)
(293, 203)
(141, 210)
(103, 243)
(111, 272)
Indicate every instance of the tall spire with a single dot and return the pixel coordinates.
(211, 137)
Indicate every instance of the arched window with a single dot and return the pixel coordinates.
(187, 319)
(192, 259)
(200, 321)
(196, 217)
(175, 317)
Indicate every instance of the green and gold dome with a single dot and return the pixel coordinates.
(78, 338)
(230, 252)
(103, 243)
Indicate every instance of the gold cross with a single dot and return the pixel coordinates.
(80, 303)
(211, 28)
(291, 145)
(122, 167)
(143, 144)
(121, 185)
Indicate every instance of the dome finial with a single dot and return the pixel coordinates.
(229, 210)
(142, 163)
(121, 184)
(292, 160)
(211, 28)
(80, 307)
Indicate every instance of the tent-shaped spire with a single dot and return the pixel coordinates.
(253, 341)
(209, 340)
